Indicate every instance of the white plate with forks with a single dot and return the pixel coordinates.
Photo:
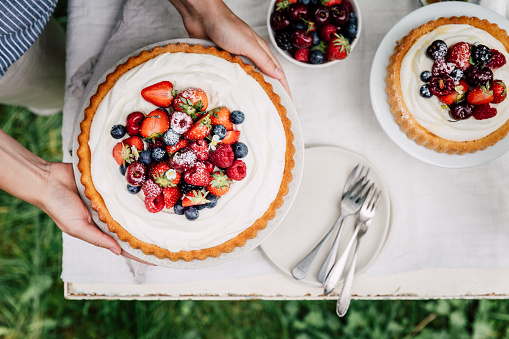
(316, 208)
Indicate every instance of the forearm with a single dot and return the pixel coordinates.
(24, 174)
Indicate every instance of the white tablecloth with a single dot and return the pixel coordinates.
(453, 218)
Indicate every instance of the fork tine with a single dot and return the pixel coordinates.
(366, 193)
(375, 200)
(351, 178)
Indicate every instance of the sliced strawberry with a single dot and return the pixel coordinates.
(338, 48)
(458, 95)
(330, 3)
(171, 195)
(220, 183)
(499, 91)
(155, 124)
(231, 137)
(155, 205)
(122, 153)
(181, 144)
(160, 94)
(200, 129)
(136, 142)
(192, 101)
(221, 116)
(448, 99)
(480, 95)
(198, 176)
(194, 198)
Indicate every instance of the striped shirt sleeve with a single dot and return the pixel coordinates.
(21, 22)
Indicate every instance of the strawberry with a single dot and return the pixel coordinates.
(151, 189)
(302, 55)
(171, 195)
(497, 60)
(330, 3)
(122, 153)
(484, 111)
(164, 175)
(282, 4)
(456, 96)
(201, 149)
(200, 129)
(155, 205)
(448, 99)
(194, 198)
(160, 94)
(135, 142)
(155, 124)
(480, 95)
(338, 48)
(198, 176)
(237, 171)
(231, 137)
(499, 91)
(172, 149)
(192, 101)
(220, 183)
(459, 54)
(221, 116)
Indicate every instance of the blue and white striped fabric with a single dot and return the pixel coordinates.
(21, 22)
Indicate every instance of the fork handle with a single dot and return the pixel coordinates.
(331, 257)
(346, 292)
(337, 269)
(301, 269)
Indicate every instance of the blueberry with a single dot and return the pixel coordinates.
(352, 18)
(239, 149)
(425, 91)
(237, 117)
(158, 154)
(316, 57)
(316, 38)
(425, 76)
(220, 131)
(315, 2)
(456, 74)
(133, 189)
(191, 213)
(178, 208)
(200, 207)
(298, 25)
(146, 157)
(351, 30)
(170, 137)
(212, 201)
(123, 168)
(117, 131)
(305, 2)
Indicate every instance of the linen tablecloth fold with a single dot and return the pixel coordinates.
(440, 217)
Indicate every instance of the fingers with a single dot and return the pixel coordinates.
(90, 233)
(130, 256)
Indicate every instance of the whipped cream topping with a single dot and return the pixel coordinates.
(429, 113)
(226, 84)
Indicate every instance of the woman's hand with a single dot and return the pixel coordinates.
(212, 19)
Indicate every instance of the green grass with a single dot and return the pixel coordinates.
(32, 303)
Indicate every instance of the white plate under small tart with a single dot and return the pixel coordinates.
(379, 96)
(251, 243)
(316, 208)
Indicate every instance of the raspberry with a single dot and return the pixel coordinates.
(302, 55)
(237, 171)
(441, 85)
(223, 156)
(441, 67)
(151, 189)
(154, 205)
(484, 111)
(201, 149)
(497, 60)
(183, 160)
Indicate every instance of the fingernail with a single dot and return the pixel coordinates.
(115, 250)
(279, 73)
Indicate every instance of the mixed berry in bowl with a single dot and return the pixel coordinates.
(314, 32)
(462, 79)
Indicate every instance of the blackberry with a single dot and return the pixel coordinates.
(239, 149)
(481, 54)
(425, 91)
(441, 85)
(425, 76)
(284, 41)
(220, 131)
(191, 213)
(477, 76)
(437, 50)
(237, 117)
(117, 131)
(186, 188)
(456, 74)
(171, 138)
(133, 189)
(461, 111)
(316, 57)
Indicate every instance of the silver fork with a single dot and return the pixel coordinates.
(346, 292)
(349, 205)
(366, 213)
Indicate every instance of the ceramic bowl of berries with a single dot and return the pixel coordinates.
(314, 33)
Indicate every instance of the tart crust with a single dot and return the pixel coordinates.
(97, 202)
(401, 113)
